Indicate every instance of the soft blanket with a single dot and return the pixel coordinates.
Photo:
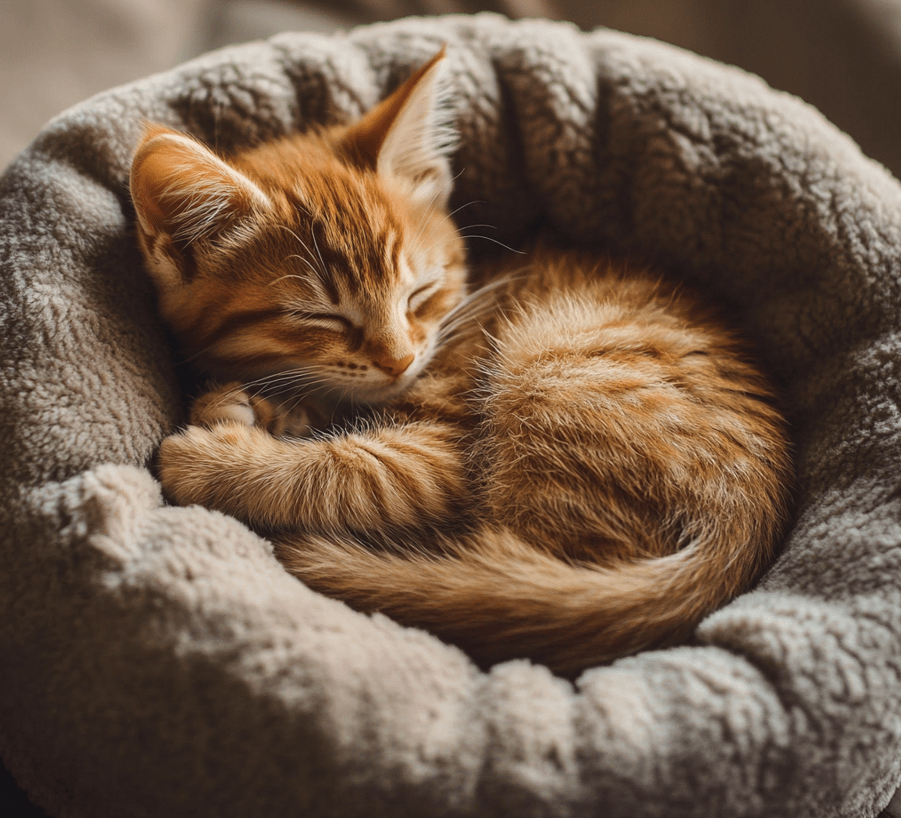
(157, 661)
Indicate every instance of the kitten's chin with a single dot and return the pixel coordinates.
(376, 395)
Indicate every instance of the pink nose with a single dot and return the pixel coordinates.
(393, 366)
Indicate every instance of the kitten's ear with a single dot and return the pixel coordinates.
(183, 191)
(408, 134)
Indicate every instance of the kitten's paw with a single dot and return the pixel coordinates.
(213, 467)
(224, 404)
(186, 458)
(228, 468)
(232, 404)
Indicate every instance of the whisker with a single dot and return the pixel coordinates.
(464, 206)
(442, 189)
(191, 358)
(424, 220)
(319, 253)
(303, 244)
(494, 241)
(474, 226)
(299, 376)
(292, 275)
(473, 308)
(295, 379)
(479, 295)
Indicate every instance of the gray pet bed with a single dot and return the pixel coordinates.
(157, 661)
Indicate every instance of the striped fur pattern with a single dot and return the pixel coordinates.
(572, 463)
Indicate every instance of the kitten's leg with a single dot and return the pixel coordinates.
(373, 479)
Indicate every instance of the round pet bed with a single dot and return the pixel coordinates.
(157, 661)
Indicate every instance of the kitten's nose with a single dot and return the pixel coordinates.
(391, 365)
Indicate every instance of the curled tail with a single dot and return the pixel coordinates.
(498, 597)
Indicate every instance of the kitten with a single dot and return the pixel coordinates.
(575, 462)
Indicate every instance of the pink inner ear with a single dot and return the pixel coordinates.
(365, 139)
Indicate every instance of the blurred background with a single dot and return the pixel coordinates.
(844, 56)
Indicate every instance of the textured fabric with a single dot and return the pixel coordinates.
(158, 661)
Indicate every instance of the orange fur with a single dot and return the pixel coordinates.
(573, 463)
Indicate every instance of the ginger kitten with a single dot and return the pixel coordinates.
(575, 462)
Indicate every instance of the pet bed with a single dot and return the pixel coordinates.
(158, 661)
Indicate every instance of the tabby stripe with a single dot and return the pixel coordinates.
(329, 261)
(331, 290)
(418, 454)
(376, 482)
(394, 253)
(305, 223)
(396, 478)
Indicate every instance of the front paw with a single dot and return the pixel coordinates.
(224, 404)
(232, 404)
(200, 465)
(228, 468)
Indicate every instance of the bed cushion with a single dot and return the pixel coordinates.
(159, 661)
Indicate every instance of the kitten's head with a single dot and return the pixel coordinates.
(325, 260)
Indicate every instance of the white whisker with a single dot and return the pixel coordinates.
(303, 244)
(292, 275)
(319, 253)
(469, 236)
(425, 219)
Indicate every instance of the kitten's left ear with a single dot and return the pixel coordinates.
(408, 134)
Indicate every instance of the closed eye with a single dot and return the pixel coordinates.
(420, 295)
(327, 320)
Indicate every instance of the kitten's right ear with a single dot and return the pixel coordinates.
(409, 135)
(184, 193)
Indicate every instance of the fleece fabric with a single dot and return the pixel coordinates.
(158, 661)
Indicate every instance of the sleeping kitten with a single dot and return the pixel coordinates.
(575, 462)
